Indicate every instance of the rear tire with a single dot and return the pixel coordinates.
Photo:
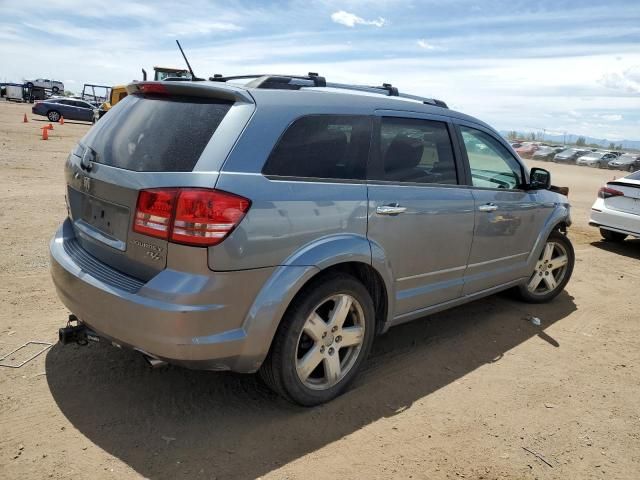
(55, 90)
(553, 270)
(317, 352)
(53, 115)
(611, 236)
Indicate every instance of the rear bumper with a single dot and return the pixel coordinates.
(603, 217)
(193, 320)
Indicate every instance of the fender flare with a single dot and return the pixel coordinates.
(560, 215)
(266, 312)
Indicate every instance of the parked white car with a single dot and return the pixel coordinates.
(54, 85)
(616, 211)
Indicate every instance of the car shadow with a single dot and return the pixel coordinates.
(629, 248)
(172, 422)
(71, 122)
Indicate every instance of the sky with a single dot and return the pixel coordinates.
(557, 65)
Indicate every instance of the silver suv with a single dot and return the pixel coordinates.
(278, 225)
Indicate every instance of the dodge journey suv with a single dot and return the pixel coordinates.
(279, 223)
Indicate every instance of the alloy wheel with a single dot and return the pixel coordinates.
(330, 342)
(550, 269)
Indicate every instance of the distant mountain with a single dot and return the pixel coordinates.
(571, 139)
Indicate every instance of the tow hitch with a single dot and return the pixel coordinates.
(77, 333)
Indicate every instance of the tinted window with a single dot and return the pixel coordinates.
(634, 176)
(149, 134)
(415, 150)
(490, 162)
(322, 146)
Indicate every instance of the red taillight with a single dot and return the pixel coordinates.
(606, 192)
(155, 88)
(154, 212)
(192, 216)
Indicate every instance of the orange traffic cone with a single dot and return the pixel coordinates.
(45, 133)
(61, 121)
(25, 120)
(50, 127)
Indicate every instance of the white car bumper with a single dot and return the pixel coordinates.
(609, 219)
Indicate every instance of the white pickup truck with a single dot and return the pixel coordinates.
(54, 85)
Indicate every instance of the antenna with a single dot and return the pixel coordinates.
(193, 75)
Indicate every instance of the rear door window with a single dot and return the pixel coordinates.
(416, 151)
(156, 134)
(322, 146)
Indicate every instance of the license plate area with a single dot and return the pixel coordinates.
(99, 219)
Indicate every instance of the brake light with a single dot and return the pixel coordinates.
(192, 216)
(606, 192)
(154, 211)
(156, 88)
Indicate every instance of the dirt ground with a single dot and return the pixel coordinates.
(475, 392)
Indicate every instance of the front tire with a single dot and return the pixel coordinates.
(322, 341)
(611, 236)
(552, 272)
(55, 90)
(53, 116)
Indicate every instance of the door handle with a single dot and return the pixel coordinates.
(390, 209)
(489, 207)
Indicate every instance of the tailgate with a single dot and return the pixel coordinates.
(144, 142)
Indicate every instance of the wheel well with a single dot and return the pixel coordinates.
(561, 227)
(372, 281)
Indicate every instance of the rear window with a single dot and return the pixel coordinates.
(151, 134)
(634, 176)
(322, 146)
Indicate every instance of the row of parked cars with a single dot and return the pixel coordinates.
(629, 162)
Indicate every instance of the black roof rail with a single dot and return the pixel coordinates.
(312, 79)
(262, 79)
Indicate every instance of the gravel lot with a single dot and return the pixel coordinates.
(476, 392)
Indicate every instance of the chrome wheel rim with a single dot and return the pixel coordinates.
(550, 269)
(330, 342)
(54, 116)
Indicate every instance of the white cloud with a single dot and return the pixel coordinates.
(610, 117)
(197, 27)
(422, 43)
(351, 20)
(628, 81)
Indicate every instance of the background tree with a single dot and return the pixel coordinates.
(581, 141)
(612, 146)
(512, 135)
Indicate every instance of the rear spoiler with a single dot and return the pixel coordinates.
(192, 89)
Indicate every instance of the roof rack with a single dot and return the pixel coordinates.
(296, 82)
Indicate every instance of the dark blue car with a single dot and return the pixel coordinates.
(69, 108)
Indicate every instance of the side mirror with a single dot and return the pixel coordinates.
(539, 179)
